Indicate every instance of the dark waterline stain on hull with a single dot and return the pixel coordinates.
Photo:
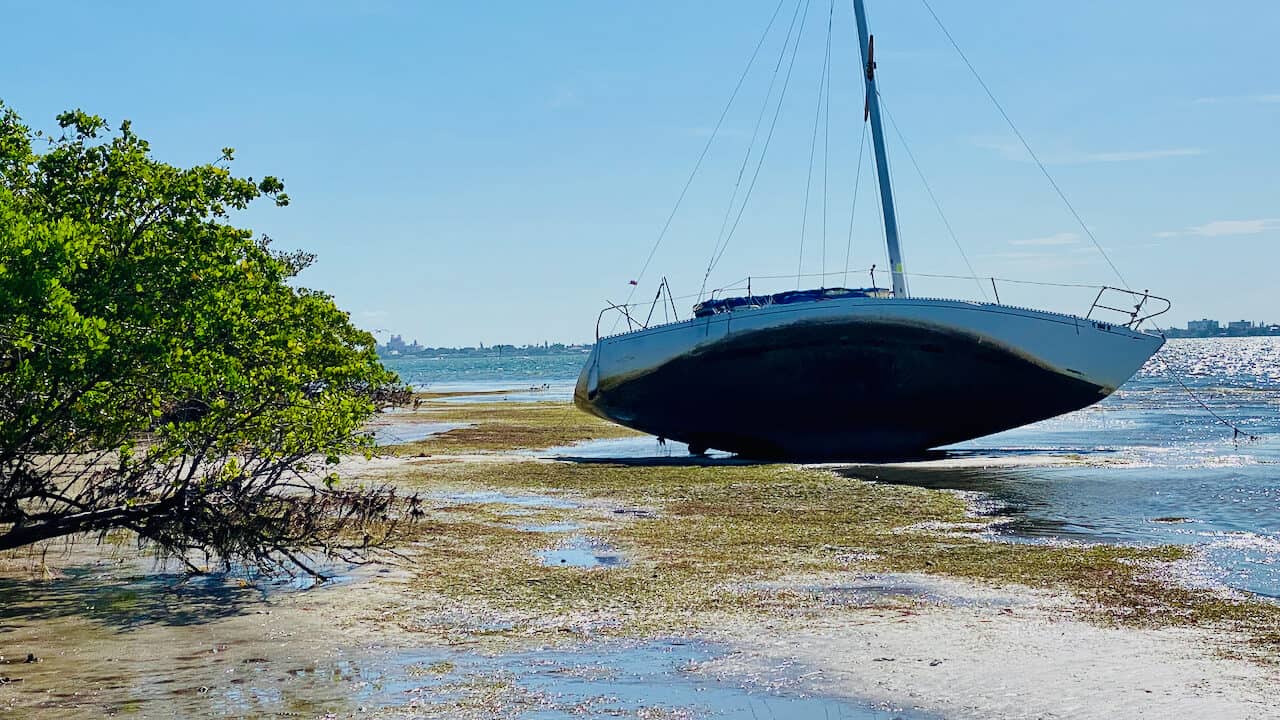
(840, 391)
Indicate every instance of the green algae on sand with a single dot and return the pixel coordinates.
(713, 530)
(698, 537)
(506, 426)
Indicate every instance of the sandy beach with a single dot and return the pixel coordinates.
(1007, 653)
(803, 585)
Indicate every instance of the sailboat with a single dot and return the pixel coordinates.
(858, 374)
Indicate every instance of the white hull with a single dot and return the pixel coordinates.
(915, 373)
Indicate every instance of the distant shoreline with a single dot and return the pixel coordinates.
(558, 349)
(1181, 334)
(494, 351)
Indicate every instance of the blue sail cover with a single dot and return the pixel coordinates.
(724, 305)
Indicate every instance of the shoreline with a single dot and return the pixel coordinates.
(864, 585)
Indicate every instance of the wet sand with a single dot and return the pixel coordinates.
(114, 635)
(1007, 654)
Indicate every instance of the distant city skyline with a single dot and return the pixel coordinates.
(397, 346)
(1206, 327)
(468, 171)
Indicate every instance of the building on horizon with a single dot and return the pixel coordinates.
(397, 346)
(1239, 326)
(1212, 328)
(1204, 326)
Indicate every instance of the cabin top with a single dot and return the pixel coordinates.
(729, 304)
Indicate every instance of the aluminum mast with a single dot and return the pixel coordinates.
(867, 44)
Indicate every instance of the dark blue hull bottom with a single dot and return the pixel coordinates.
(839, 391)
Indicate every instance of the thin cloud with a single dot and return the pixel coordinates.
(1061, 250)
(1265, 98)
(1026, 261)
(1218, 228)
(1013, 150)
(1221, 228)
(1131, 155)
(1063, 238)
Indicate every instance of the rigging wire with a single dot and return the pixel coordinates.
(1027, 146)
(823, 83)
(760, 161)
(824, 87)
(884, 244)
(755, 132)
(893, 196)
(893, 192)
(1235, 429)
(706, 148)
(826, 135)
(936, 205)
(853, 210)
(1237, 432)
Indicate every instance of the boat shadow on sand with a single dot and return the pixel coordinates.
(662, 461)
(648, 451)
(613, 452)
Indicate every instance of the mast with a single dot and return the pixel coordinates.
(866, 43)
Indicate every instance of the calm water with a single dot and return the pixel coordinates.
(446, 374)
(1156, 468)
(659, 679)
(1145, 466)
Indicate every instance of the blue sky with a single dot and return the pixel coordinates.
(494, 172)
